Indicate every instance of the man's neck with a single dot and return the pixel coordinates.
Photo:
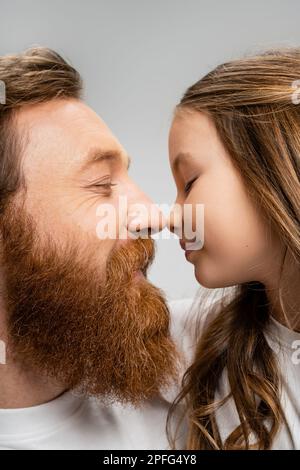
(20, 389)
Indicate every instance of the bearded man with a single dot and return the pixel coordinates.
(87, 336)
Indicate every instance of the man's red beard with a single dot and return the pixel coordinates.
(105, 338)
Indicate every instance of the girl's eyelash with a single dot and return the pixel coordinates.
(189, 185)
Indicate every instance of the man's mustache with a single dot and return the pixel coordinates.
(130, 257)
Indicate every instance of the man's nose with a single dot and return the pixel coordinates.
(144, 216)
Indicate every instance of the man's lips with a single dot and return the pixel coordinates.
(138, 274)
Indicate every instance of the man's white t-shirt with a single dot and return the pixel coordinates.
(71, 422)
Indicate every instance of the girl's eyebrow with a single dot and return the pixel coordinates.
(180, 159)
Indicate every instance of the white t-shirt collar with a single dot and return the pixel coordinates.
(38, 419)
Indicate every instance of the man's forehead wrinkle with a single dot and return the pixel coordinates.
(65, 139)
(47, 154)
(64, 116)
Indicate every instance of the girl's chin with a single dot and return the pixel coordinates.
(206, 279)
(212, 282)
(204, 274)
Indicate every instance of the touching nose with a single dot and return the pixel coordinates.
(174, 221)
(144, 216)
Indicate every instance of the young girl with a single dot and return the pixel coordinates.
(235, 147)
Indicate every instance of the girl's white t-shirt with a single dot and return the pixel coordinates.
(286, 346)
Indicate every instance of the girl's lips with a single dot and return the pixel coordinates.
(188, 253)
(191, 246)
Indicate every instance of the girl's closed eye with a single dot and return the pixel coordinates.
(189, 185)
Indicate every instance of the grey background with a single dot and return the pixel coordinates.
(137, 57)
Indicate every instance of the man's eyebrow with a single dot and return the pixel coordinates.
(180, 159)
(99, 155)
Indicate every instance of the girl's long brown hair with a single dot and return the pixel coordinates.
(254, 105)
